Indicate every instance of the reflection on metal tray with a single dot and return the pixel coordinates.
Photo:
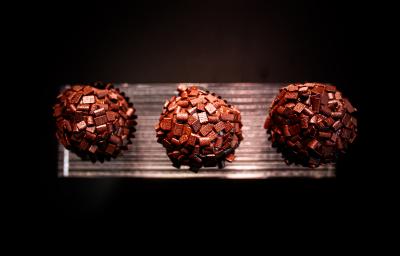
(255, 158)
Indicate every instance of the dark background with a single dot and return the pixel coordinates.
(203, 41)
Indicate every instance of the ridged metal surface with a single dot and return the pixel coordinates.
(255, 158)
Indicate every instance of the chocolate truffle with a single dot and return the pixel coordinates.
(311, 124)
(95, 121)
(198, 128)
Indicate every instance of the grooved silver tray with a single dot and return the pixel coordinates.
(255, 158)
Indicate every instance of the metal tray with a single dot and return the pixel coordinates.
(255, 158)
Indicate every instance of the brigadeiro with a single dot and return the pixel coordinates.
(311, 124)
(95, 121)
(198, 128)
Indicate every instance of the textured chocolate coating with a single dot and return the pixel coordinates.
(311, 124)
(94, 121)
(198, 128)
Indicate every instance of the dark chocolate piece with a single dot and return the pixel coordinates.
(219, 126)
(206, 129)
(100, 120)
(99, 112)
(204, 141)
(210, 108)
(81, 125)
(182, 116)
(88, 99)
(166, 124)
(203, 117)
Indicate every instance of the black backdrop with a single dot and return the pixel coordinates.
(202, 41)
